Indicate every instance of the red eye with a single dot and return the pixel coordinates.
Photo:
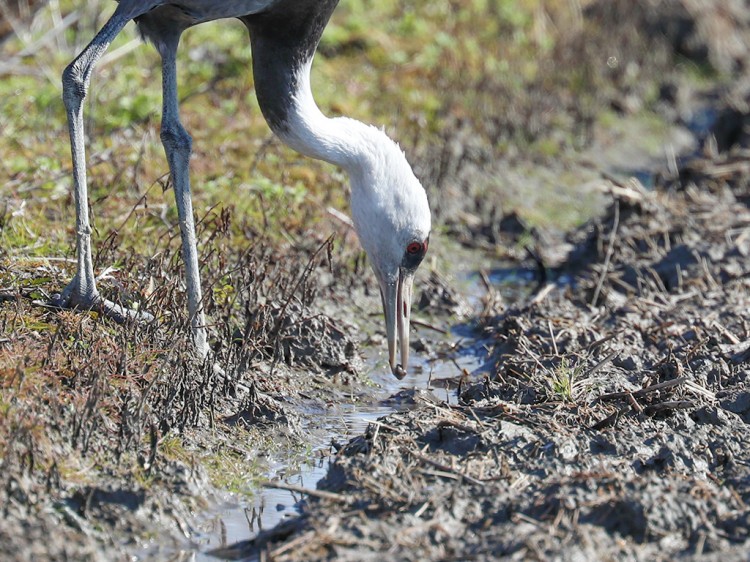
(414, 248)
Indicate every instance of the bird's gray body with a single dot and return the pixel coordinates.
(390, 209)
(283, 33)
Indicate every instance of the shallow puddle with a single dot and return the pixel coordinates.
(234, 523)
(438, 372)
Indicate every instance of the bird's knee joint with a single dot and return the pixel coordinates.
(74, 83)
(176, 138)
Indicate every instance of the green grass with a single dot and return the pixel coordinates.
(407, 66)
(563, 380)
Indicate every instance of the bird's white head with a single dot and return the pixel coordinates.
(392, 219)
(389, 205)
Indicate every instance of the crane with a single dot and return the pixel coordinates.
(389, 206)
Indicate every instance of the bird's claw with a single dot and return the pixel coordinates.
(73, 298)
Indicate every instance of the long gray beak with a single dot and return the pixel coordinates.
(397, 307)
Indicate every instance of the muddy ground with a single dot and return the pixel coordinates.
(615, 421)
(610, 421)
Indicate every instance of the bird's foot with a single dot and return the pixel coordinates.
(76, 297)
(79, 296)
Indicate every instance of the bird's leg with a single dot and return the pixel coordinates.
(178, 147)
(81, 292)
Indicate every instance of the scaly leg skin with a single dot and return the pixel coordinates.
(178, 146)
(82, 291)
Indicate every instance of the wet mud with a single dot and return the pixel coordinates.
(585, 397)
(612, 423)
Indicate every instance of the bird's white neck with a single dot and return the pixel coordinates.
(388, 203)
(356, 147)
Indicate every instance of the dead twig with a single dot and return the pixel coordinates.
(610, 252)
(452, 472)
(698, 390)
(643, 391)
(669, 405)
(340, 216)
(552, 336)
(600, 364)
(322, 494)
(293, 544)
(429, 326)
(542, 293)
(634, 404)
(611, 419)
(726, 333)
